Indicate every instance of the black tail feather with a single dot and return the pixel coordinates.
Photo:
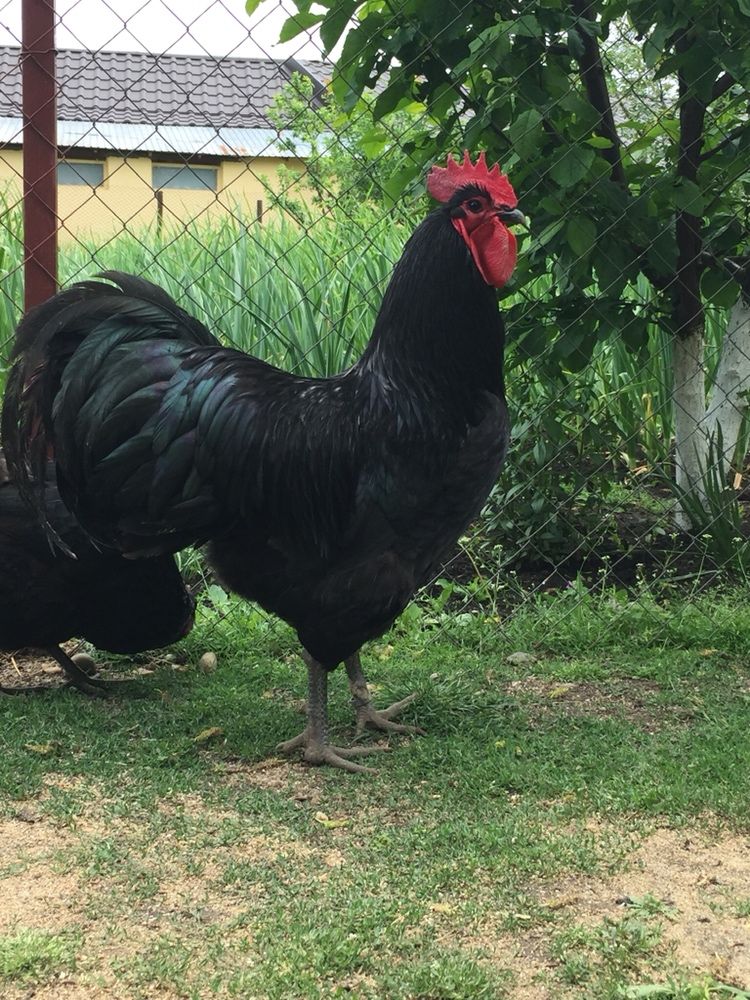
(46, 339)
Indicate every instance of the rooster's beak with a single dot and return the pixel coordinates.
(512, 217)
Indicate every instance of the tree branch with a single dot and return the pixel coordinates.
(729, 137)
(594, 81)
(722, 85)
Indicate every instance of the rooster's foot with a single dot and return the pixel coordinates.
(313, 741)
(369, 717)
(317, 752)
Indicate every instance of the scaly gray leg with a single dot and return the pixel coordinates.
(314, 738)
(80, 670)
(367, 715)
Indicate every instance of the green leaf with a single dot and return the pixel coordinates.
(331, 824)
(527, 25)
(719, 289)
(442, 100)
(654, 45)
(580, 233)
(210, 735)
(687, 196)
(572, 166)
(296, 24)
(599, 142)
(394, 186)
(575, 43)
(662, 991)
(549, 233)
(552, 206)
(335, 21)
(389, 99)
(44, 749)
(251, 6)
(357, 59)
(661, 253)
(634, 331)
(526, 133)
(643, 142)
(373, 142)
(699, 67)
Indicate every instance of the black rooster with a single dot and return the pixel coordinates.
(121, 605)
(329, 501)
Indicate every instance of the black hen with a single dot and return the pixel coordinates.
(329, 501)
(120, 605)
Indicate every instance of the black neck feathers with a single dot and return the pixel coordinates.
(439, 325)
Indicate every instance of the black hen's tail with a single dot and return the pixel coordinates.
(94, 316)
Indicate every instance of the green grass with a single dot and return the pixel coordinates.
(215, 870)
(33, 956)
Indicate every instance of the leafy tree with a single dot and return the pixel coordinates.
(349, 156)
(625, 129)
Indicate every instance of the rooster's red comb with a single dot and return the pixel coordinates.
(443, 182)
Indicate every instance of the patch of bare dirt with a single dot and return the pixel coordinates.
(702, 881)
(67, 988)
(31, 668)
(288, 777)
(633, 700)
(32, 893)
(116, 919)
(698, 882)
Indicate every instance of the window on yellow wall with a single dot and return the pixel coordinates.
(79, 172)
(187, 178)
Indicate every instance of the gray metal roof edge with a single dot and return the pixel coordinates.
(226, 142)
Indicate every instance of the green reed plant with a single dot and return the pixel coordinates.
(301, 297)
(11, 274)
(716, 515)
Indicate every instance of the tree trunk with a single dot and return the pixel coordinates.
(689, 396)
(728, 401)
(700, 427)
(689, 401)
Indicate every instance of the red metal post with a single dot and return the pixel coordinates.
(39, 150)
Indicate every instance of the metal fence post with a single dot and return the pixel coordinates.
(39, 150)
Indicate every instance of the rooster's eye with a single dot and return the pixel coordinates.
(474, 205)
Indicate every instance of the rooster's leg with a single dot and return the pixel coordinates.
(314, 739)
(79, 670)
(367, 715)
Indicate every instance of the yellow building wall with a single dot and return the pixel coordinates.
(11, 176)
(126, 199)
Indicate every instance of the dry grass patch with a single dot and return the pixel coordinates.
(285, 776)
(633, 700)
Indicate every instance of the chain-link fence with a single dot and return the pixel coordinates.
(272, 195)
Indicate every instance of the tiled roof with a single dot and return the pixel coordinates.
(141, 88)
